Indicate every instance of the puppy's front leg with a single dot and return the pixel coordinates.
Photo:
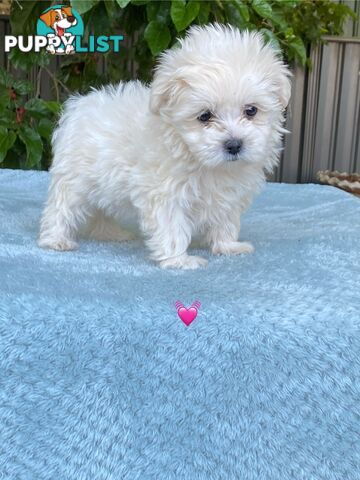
(223, 238)
(168, 235)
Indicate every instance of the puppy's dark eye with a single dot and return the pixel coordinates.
(57, 17)
(205, 117)
(251, 111)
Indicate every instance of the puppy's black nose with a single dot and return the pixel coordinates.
(233, 146)
(71, 18)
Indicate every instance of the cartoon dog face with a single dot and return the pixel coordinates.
(59, 19)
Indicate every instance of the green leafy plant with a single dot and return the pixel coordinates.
(25, 125)
(149, 27)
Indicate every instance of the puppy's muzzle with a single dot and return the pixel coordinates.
(233, 146)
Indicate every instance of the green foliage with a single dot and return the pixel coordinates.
(183, 14)
(157, 36)
(25, 125)
(149, 27)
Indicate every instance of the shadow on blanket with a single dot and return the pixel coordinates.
(100, 380)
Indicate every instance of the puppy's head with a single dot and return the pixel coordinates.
(59, 17)
(225, 93)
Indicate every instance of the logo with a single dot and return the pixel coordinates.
(187, 315)
(60, 25)
(60, 31)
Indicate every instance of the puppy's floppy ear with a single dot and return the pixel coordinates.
(158, 93)
(169, 81)
(164, 90)
(284, 86)
(47, 18)
(67, 10)
(279, 72)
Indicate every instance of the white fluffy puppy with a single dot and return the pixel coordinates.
(182, 157)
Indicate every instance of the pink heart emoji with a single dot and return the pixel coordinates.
(187, 315)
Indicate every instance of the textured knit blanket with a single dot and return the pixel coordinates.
(101, 380)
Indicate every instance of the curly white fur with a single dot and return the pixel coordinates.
(132, 152)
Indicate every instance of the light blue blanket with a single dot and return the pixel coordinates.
(100, 379)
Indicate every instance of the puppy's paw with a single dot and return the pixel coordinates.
(61, 244)
(51, 49)
(232, 248)
(69, 49)
(185, 262)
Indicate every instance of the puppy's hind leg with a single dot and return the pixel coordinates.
(64, 212)
(106, 229)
